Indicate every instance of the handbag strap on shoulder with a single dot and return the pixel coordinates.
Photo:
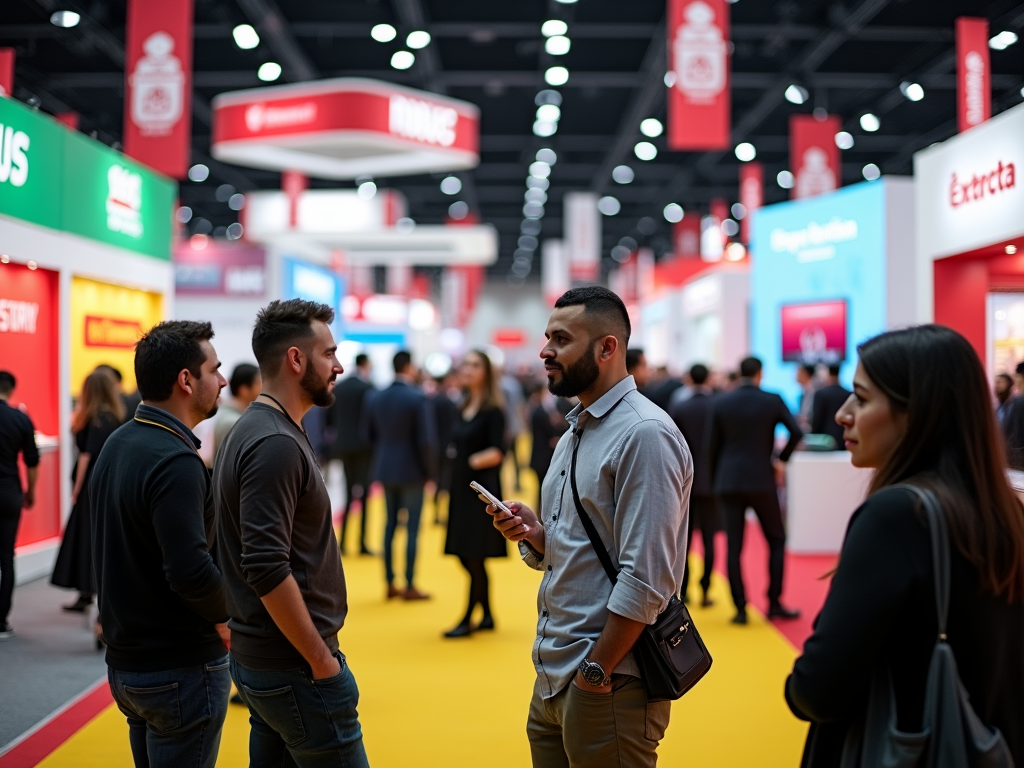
(938, 528)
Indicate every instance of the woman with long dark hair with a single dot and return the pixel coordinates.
(919, 415)
(479, 440)
(100, 411)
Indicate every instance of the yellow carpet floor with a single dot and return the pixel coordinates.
(426, 701)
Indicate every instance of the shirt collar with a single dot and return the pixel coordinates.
(162, 417)
(599, 408)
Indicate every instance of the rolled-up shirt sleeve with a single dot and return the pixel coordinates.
(653, 473)
(271, 480)
(531, 556)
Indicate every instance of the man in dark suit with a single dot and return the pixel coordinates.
(345, 420)
(400, 423)
(743, 474)
(693, 416)
(827, 402)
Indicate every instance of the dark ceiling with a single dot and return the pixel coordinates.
(850, 56)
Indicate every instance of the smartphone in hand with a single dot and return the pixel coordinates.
(490, 497)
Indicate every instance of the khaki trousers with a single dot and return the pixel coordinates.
(581, 729)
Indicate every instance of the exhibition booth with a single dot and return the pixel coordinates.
(828, 273)
(970, 237)
(85, 267)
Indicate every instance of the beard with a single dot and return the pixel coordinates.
(212, 412)
(316, 387)
(578, 377)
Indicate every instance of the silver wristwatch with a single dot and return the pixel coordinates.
(594, 673)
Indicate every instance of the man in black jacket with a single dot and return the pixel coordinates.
(349, 446)
(693, 417)
(276, 545)
(744, 475)
(161, 597)
(400, 423)
(827, 402)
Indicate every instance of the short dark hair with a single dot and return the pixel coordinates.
(284, 324)
(809, 369)
(599, 301)
(750, 367)
(633, 357)
(165, 351)
(7, 382)
(362, 359)
(1007, 377)
(112, 371)
(243, 376)
(1020, 368)
(402, 361)
(833, 370)
(699, 374)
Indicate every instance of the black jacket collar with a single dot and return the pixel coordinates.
(148, 414)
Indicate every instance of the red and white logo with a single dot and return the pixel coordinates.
(814, 176)
(260, 117)
(158, 85)
(422, 121)
(700, 55)
(974, 87)
(963, 190)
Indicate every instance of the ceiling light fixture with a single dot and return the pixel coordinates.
(367, 190)
(745, 152)
(532, 182)
(546, 155)
(245, 37)
(673, 213)
(557, 45)
(540, 169)
(553, 28)
(198, 172)
(870, 122)
(547, 96)
(65, 19)
(796, 94)
(609, 205)
(549, 112)
(739, 210)
(417, 39)
(544, 128)
(645, 150)
(670, 79)
(871, 172)
(403, 59)
(1011, 249)
(458, 210)
(623, 174)
(912, 91)
(556, 76)
(651, 127)
(785, 179)
(844, 140)
(1003, 40)
(269, 71)
(451, 185)
(383, 33)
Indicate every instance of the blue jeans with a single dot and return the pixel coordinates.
(408, 496)
(174, 717)
(297, 721)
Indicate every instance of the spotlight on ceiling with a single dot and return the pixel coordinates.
(870, 122)
(558, 45)
(418, 39)
(403, 59)
(553, 28)
(1003, 40)
(65, 19)
(245, 37)
(871, 172)
(609, 205)
(912, 91)
(549, 112)
(269, 71)
(556, 76)
(673, 213)
(383, 33)
(651, 127)
(645, 150)
(451, 185)
(796, 94)
(745, 152)
(622, 174)
(546, 155)
(785, 179)
(844, 140)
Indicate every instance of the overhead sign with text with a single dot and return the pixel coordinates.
(344, 128)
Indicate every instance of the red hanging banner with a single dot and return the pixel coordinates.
(686, 236)
(698, 79)
(813, 154)
(6, 71)
(158, 101)
(751, 196)
(973, 74)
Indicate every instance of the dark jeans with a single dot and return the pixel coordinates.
(8, 533)
(297, 721)
(703, 515)
(766, 506)
(174, 717)
(407, 496)
(357, 473)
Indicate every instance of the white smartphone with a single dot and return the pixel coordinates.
(490, 497)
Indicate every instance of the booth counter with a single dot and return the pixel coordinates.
(85, 246)
(822, 491)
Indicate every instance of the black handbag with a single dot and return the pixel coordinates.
(670, 653)
(952, 735)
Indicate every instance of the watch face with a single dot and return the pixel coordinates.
(593, 674)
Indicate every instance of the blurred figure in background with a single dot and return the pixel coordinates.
(400, 425)
(512, 393)
(808, 386)
(17, 435)
(245, 384)
(446, 411)
(547, 424)
(693, 417)
(100, 412)
(1004, 395)
(636, 366)
(350, 445)
(131, 402)
(1013, 423)
(827, 402)
(479, 440)
(744, 474)
(661, 391)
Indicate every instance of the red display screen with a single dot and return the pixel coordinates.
(814, 333)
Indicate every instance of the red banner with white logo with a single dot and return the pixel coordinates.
(6, 71)
(973, 73)
(686, 236)
(813, 155)
(158, 92)
(751, 196)
(698, 58)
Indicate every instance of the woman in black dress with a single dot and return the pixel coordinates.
(100, 412)
(479, 439)
(920, 415)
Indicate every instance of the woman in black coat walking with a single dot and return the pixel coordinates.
(919, 415)
(479, 440)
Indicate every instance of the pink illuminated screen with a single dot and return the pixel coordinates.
(814, 333)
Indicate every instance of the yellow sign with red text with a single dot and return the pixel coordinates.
(106, 322)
